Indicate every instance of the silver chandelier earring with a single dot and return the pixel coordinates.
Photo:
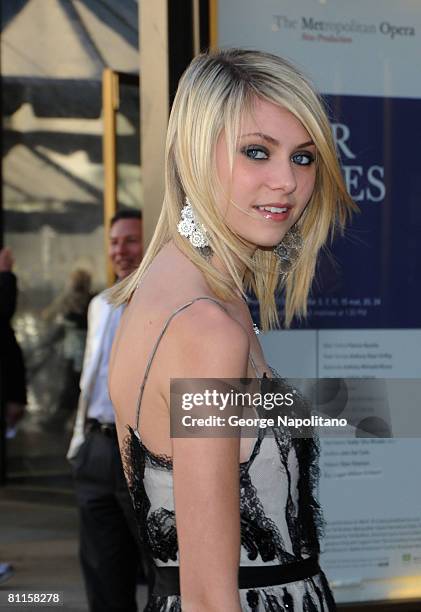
(288, 250)
(190, 228)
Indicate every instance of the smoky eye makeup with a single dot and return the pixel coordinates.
(255, 152)
(303, 158)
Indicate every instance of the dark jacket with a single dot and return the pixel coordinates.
(12, 368)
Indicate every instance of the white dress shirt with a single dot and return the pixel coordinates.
(100, 406)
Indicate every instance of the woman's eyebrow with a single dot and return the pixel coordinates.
(274, 141)
(308, 143)
(263, 137)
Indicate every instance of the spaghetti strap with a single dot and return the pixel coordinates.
(253, 365)
(156, 345)
(155, 348)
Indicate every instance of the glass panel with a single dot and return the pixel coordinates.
(53, 201)
(52, 170)
(129, 185)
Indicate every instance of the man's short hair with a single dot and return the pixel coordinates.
(126, 214)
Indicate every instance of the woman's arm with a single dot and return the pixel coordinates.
(206, 470)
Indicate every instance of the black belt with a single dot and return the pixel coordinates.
(108, 429)
(167, 579)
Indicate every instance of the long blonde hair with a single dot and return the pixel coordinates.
(214, 92)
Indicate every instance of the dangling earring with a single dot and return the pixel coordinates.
(288, 250)
(190, 228)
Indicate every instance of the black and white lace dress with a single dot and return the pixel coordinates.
(280, 521)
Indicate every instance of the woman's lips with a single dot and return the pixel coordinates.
(274, 212)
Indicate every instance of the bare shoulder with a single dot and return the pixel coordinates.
(206, 341)
(206, 320)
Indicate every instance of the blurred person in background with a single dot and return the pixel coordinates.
(12, 367)
(70, 310)
(109, 548)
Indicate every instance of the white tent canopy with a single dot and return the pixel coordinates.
(53, 55)
(72, 39)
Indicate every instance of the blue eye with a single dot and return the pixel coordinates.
(254, 152)
(303, 159)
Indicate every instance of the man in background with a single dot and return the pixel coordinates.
(109, 550)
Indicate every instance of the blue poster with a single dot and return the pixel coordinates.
(373, 279)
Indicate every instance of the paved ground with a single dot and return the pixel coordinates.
(40, 541)
(39, 521)
(38, 517)
(39, 538)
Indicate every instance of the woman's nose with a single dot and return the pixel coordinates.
(282, 177)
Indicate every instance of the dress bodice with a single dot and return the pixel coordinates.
(280, 519)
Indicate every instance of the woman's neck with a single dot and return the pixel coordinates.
(239, 265)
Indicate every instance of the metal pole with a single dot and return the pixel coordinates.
(110, 104)
(213, 24)
(196, 27)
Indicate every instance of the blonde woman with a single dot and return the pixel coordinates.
(252, 178)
